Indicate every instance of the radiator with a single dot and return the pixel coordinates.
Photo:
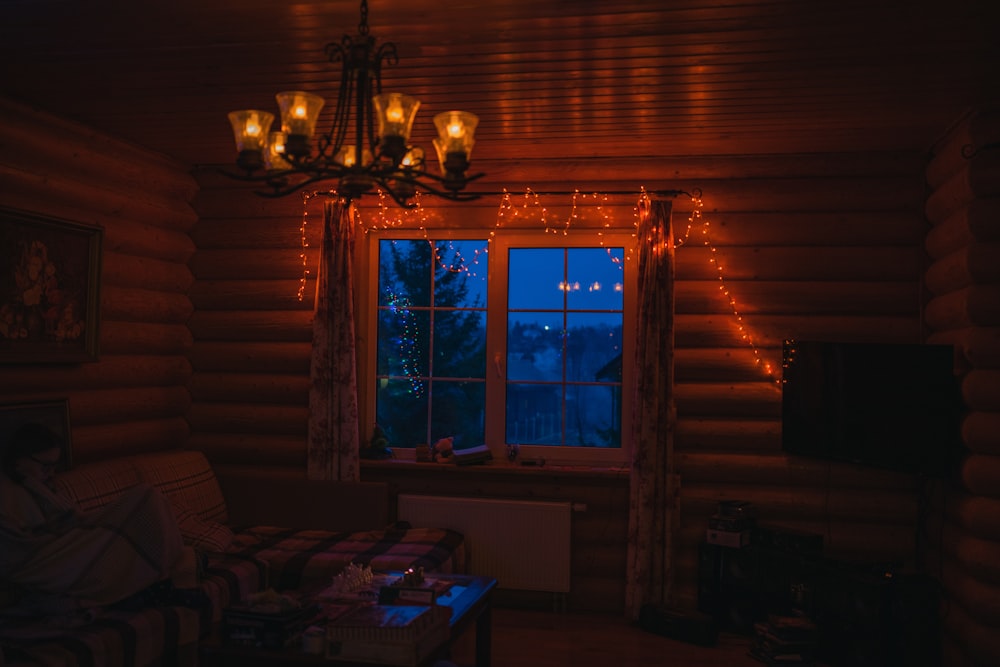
(524, 545)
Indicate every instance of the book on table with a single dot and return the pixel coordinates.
(388, 634)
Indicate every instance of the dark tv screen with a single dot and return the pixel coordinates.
(891, 406)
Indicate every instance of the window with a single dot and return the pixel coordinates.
(517, 339)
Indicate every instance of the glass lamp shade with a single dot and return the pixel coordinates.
(274, 156)
(299, 112)
(456, 131)
(250, 128)
(414, 159)
(456, 137)
(395, 113)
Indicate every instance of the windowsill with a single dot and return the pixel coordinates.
(497, 468)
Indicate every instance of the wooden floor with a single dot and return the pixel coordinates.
(528, 638)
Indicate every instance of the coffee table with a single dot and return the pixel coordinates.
(470, 600)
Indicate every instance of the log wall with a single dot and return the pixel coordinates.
(135, 397)
(964, 281)
(808, 246)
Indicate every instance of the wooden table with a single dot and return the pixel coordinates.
(470, 600)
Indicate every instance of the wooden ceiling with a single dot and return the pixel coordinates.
(616, 79)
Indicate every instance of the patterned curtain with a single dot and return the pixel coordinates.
(334, 440)
(654, 488)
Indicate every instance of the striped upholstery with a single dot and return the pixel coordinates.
(152, 637)
(257, 558)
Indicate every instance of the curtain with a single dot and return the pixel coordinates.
(334, 438)
(654, 488)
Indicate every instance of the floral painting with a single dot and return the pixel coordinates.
(49, 280)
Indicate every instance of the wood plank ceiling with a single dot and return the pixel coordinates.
(548, 78)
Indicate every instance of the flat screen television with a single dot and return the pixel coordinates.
(891, 406)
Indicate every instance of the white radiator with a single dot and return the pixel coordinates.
(524, 545)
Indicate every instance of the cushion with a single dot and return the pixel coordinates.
(187, 478)
(199, 533)
(95, 485)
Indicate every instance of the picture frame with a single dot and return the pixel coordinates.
(53, 414)
(49, 289)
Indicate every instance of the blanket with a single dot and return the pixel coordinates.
(50, 549)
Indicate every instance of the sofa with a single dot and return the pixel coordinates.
(247, 531)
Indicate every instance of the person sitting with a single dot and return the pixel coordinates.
(63, 559)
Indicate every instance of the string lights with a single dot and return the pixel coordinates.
(533, 212)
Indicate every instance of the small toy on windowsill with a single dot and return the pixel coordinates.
(444, 450)
(378, 446)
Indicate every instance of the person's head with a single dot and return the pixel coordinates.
(33, 450)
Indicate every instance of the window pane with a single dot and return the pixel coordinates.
(593, 415)
(459, 412)
(535, 346)
(459, 343)
(534, 278)
(401, 411)
(404, 273)
(594, 347)
(595, 278)
(403, 338)
(460, 274)
(534, 414)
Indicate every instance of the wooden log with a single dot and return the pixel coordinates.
(981, 431)
(970, 306)
(776, 297)
(980, 178)
(254, 294)
(137, 238)
(99, 442)
(93, 204)
(863, 505)
(978, 597)
(249, 418)
(973, 264)
(980, 474)
(144, 273)
(270, 450)
(265, 325)
(103, 406)
(974, 223)
(875, 264)
(148, 338)
(978, 515)
(978, 128)
(251, 388)
(981, 390)
(747, 399)
(710, 330)
(133, 304)
(980, 643)
(981, 346)
(267, 264)
(710, 436)
(252, 357)
(39, 139)
(113, 371)
(793, 471)
(805, 229)
(276, 233)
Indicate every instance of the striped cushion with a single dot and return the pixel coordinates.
(186, 478)
(94, 486)
(152, 637)
(199, 533)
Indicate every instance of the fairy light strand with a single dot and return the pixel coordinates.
(533, 212)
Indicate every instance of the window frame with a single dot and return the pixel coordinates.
(499, 242)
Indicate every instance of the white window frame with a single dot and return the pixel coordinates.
(496, 333)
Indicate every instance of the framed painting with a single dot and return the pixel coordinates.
(52, 414)
(49, 283)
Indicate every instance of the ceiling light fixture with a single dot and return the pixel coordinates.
(366, 148)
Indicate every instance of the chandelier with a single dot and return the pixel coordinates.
(367, 146)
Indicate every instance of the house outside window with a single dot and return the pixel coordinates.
(509, 338)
